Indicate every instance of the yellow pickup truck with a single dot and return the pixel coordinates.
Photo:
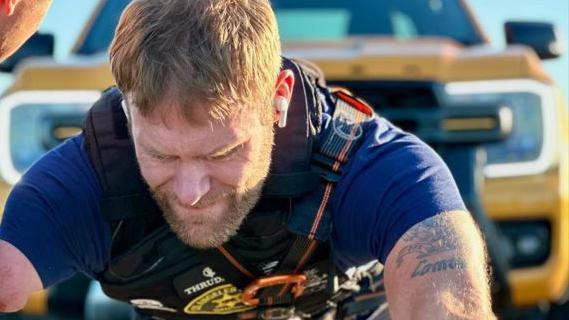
(411, 54)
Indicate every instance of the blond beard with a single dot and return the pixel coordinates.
(207, 233)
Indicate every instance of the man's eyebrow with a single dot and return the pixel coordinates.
(226, 148)
(217, 152)
(150, 149)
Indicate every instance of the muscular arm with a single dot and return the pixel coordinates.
(18, 278)
(437, 270)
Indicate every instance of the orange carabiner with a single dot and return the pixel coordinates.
(251, 290)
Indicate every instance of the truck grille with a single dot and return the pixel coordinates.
(384, 96)
(393, 94)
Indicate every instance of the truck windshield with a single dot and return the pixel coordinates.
(332, 20)
(402, 19)
(102, 29)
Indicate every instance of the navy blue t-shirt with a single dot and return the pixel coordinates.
(391, 183)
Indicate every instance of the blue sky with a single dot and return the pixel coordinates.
(66, 18)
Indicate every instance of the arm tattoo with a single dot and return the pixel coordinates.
(424, 266)
(427, 239)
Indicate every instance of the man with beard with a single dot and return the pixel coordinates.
(220, 180)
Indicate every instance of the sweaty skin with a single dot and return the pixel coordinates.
(19, 19)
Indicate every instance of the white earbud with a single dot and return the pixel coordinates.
(125, 109)
(281, 104)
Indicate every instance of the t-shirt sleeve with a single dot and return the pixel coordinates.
(394, 182)
(52, 215)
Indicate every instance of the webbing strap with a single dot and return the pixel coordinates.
(125, 194)
(343, 131)
(341, 135)
(340, 138)
(291, 185)
(227, 263)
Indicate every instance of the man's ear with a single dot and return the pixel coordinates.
(283, 96)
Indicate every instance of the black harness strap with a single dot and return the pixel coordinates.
(116, 161)
(279, 185)
(338, 143)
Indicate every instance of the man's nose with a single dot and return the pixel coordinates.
(192, 182)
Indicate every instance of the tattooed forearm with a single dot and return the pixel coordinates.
(424, 266)
(428, 238)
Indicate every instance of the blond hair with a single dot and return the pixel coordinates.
(222, 52)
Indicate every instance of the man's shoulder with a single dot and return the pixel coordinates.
(52, 214)
(63, 174)
(389, 158)
(70, 154)
(385, 146)
(393, 181)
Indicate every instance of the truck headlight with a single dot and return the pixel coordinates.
(32, 122)
(529, 242)
(530, 147)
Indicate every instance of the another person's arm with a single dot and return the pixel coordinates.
(19, 19)
(18, 278)
(437, 270)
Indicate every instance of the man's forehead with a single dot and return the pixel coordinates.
(196, 112)
(169, 131)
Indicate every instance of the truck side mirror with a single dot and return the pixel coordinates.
(540, 36)
(40, 44)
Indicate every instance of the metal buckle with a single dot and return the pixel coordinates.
(251, 290)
